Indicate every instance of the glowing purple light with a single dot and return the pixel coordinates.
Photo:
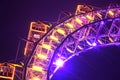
(59, 63)
(94, 44)
(102, 22)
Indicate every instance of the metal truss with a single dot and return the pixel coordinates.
(69, 38)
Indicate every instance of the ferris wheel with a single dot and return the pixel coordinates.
(49, 47)
(85, 29)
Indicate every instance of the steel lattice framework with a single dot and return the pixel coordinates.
(76, 34)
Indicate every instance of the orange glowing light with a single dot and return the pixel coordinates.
(111, 39)
(5, 74)
(61, 31)
(69, 25)
(35, 78)
(41, 56)
(37, 68)
(90, 17)
(25, 50)
(111, 13)
(78, 21)
(46, 46)
(6, 77)
(54, 38)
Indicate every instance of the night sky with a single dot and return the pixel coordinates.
(16, 15)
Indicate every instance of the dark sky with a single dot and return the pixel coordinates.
(16, 15)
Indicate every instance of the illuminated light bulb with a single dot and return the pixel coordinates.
(102, 22)
(61, 31)
(41, 56)
(94, 44)
(78, 21)
(88, 43)
(111, 39)
(46, 46)
(69, 50)
(111, 13)
(37, 68)
(35, 78)
(17, 65)
(54, 38)
(69, 25)
(89, 17)
(59, 63)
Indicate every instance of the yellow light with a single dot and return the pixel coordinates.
(46, 46)
(54, 38)
(69, 25)
(89, 17)
(78, 21)
(17, 65)
(35, 78)
(111, 13)
(61, 31)
(37, 68)
(41, 56)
